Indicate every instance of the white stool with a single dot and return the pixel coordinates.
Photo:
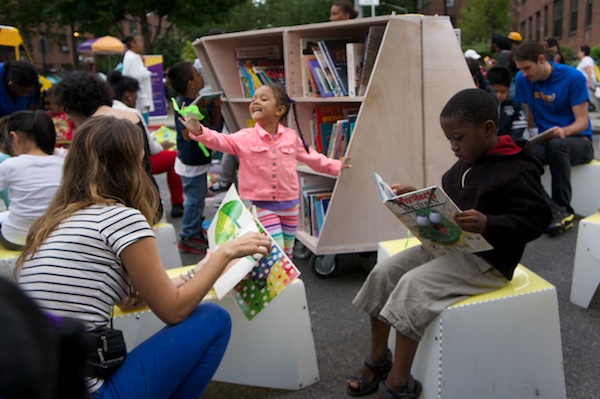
(275, 350)
(586, 269)
(503, 344)
(586, 191)
(166, 241)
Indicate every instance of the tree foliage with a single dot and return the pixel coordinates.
(484, 18)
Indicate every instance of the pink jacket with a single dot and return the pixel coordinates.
(267, 169)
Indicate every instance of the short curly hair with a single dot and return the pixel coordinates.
(472, 105)
(83, 93)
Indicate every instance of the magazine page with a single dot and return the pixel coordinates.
(429, 215)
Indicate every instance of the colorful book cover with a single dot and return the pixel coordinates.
(327, 71)
(371, 49)
(326, 129)
(252, 281)
(429, 215)
(163, 134)
(335, 52)
(323, 87)
(309, 85)
(354, 54)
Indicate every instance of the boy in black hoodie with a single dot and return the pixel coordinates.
(497, 184)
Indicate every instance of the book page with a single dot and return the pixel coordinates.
(429, 215)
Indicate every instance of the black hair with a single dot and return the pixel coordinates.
(121, 84)
(34, 125)
(214, 31)
(499, 76)
(179, 75)
(530, 51)
(283, 99)
(129, 38)
(586, 49)
(21, 73)
(346, 8)
(83, 93)
(471, 105)
(5, 141)
(502, 42)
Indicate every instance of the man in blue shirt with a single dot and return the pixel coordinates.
(555, 97)
(18, 85)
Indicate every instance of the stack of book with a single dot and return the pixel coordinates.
(259, 65)
(339, 67)
(315, 196)
(332, 129)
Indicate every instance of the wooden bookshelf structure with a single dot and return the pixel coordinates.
(418, 68)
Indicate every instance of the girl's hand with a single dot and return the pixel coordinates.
(472, 221)
(345, 164)
(192, 125)
(247, 244)
(400, 188)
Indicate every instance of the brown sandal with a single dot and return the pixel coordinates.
(381, 371)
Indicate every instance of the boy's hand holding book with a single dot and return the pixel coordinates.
(400, 188)
(472, 221)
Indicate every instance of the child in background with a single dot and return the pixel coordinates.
(268, 153)
(497, 184)
(5, 153)
(62, 123)
(33, 175)
(191, 163)
(513, 120)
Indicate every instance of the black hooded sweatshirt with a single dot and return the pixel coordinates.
(504, 185)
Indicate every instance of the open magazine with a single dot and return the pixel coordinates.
(543, 136)
(253, 281)
(429, 215)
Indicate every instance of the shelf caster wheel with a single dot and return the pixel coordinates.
(323, 266)
(368, 260)
(300, 251)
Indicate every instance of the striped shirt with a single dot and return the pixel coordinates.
(77, 272)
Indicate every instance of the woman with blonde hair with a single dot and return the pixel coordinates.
(95, 248)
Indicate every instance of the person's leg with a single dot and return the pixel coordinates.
(289, 225)
(562, 153)
(272, 223)
(422, 294)
(192, 239)
(594, 99)
(176, 362)
(163, 162)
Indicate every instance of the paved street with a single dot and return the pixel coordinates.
(341, 332)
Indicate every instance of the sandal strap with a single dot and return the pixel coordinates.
(380, 368)
(412, 390)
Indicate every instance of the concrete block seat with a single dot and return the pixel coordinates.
(503, 344)
(586, 191)
(274, 350)
(586, 268)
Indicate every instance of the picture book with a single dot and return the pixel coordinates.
(354, 54)
(309, 85)
(429, 215)
(327, 71)
(254, 73)
(252, 281)
(326, 114)
(165, 133)
(335, 52)
(543, 136)
(323, 87)
(372, 44)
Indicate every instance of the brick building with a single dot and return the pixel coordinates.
(571, 22)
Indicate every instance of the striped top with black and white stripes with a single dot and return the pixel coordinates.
(77, 272)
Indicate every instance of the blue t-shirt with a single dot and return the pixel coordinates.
(7, 104)
(551, 100)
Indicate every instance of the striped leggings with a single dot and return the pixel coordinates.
(281, 225)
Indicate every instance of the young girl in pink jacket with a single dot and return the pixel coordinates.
(268, 154)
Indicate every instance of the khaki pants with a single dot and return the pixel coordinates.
(410, 289)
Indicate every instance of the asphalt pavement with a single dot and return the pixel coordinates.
(341, 332)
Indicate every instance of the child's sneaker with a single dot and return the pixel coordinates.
(193, 245)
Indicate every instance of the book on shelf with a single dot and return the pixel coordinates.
(252, 281)
(259, 65)
(372, 43)
(354, 56)
(327, 71)
(309, 85)
(335, 52)
(324, 114)
(315, 194)
(428, 214)
(323, 87)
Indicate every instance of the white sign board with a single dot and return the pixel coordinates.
(368, 2)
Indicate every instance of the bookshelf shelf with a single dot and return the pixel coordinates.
(419, 66)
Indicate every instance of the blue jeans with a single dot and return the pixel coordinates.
(194, 193)
(176, 362)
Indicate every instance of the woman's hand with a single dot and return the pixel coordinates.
(247, 244)
(399, 188)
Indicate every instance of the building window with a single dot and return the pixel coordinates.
(530, 31)
(588, 13)
(132, 27)
(573, 22)
(546, 31)
(558, 19)
(523, 27)
(537, 25)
